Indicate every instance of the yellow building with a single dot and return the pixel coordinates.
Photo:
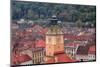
(54, 40)
(38, 55)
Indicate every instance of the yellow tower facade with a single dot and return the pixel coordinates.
(54, 40)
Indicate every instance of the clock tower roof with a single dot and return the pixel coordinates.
(54, 20)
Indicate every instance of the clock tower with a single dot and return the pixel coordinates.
(54, 39)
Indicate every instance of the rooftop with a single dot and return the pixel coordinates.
(92, 49)
(60, 58)
(82, 50)
(17, 59)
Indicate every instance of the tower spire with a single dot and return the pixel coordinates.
(54, 20)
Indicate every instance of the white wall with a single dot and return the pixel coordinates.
(91, 56)
(5, 33)
(84, 57)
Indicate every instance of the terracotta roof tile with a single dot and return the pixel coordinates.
(92, 49)
(72, 44)
(17, 59)
(59, 52)
(64, 58)
(60, 58)
(73, 37)
(40, 43)
(52, 60)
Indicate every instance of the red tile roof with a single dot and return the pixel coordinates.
(59, 52)
(17, 59)
(73, 37)
(40, 43)
(60, 58)
(45, 30)
(64, 58)
(92, 50)
(72, 44)
(52, 60)
(40, 30)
